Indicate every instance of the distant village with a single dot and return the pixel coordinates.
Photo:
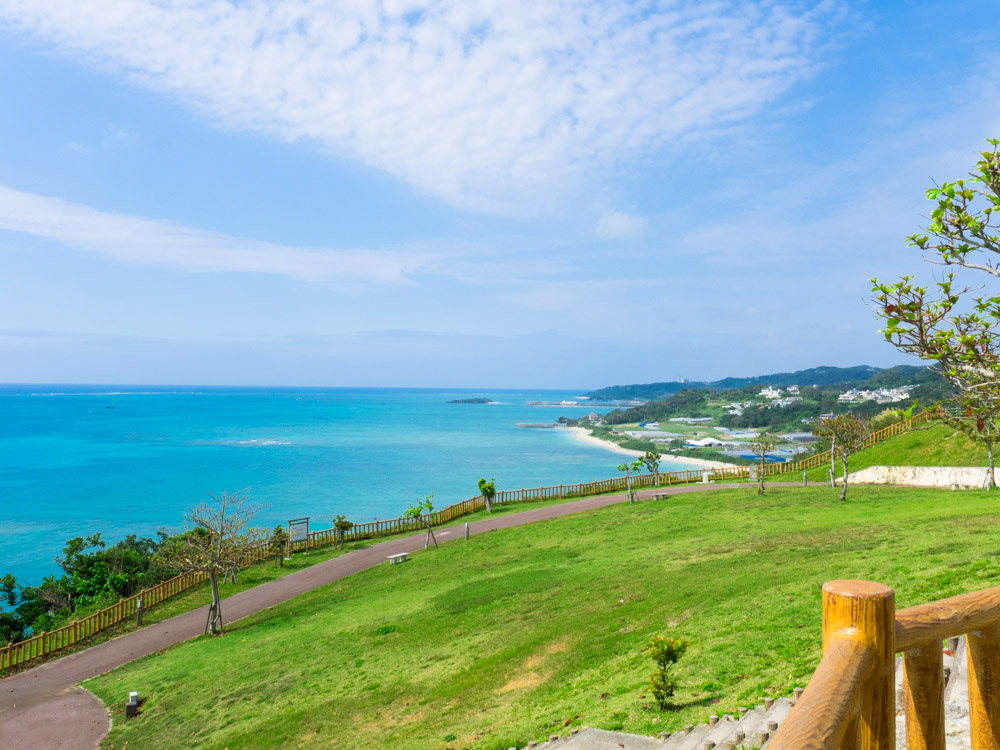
(781, 397)
(733, 442)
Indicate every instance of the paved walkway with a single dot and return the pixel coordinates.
(45, 708)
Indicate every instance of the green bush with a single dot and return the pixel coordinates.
(665, 652)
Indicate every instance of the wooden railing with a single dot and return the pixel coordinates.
(45, 643)
(850, 700)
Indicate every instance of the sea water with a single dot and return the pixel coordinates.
(120, 460)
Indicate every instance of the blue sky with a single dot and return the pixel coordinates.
(548, 193)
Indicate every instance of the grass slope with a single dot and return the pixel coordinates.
(516, 633)
(939, 445)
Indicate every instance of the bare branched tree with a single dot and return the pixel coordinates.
(760, 446)
(218, 540)
(848, 433)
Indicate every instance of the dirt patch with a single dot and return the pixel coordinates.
(531, 676)
(527, 680)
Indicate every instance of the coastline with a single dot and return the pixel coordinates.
(579, 433)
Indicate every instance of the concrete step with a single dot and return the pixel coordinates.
(601, 739)
(693, 741)
(677, 738)
(723, 731)
(726, 729)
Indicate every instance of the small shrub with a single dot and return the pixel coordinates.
(665, 652)
(385, 629)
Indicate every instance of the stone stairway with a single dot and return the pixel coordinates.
(749, 728)
(753, 728)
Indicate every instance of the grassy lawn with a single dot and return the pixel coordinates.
(255, 575)
(520, 633)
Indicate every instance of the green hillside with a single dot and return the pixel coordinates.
(517, 634)
(858, 376)
(939, 445)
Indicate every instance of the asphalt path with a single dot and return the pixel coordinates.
(44, 708)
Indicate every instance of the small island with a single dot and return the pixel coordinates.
(479, 400)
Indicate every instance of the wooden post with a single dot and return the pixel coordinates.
(984, 687)
(923, 684)
(869, 609)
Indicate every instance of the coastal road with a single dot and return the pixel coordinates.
(45, 708)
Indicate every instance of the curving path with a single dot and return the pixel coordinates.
(45, 708)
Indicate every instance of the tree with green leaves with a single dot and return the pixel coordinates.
(421, 511)
(277, 545)
(488, 490)
(760, 446)
(665, 652)
(651, 460)
(342, 525)
(952, 325)
(629, 468)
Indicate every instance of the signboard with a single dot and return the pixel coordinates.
(298, 533)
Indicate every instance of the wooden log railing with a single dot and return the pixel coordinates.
(850, 701)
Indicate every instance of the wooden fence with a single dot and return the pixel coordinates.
(45, 643)
(850, 701)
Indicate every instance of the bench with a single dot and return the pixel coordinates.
(397, 558)
(661, 495)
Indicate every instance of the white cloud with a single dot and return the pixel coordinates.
(148, 242)
(620, 226)
(491, 106)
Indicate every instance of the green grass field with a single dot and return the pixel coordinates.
(520, 633)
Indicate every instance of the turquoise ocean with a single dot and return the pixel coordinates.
(75, 460)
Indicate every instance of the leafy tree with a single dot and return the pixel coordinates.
(760, 446)
(422, 511)
(848, 433)
(342, 525)
(93, 573)
(665, 652)
(219, 541)
(628, 468)
(488, 490)
(955, 326)
(277, 545)
(651, 460)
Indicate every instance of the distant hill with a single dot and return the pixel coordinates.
(814, 398)
(847, 377)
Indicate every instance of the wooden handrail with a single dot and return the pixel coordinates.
(850, 701)
(957, 615)
(850, 704)
(822, 718)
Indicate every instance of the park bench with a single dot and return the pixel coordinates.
(397, 558)
(661, 495)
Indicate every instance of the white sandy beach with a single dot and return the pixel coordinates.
(584, 436)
